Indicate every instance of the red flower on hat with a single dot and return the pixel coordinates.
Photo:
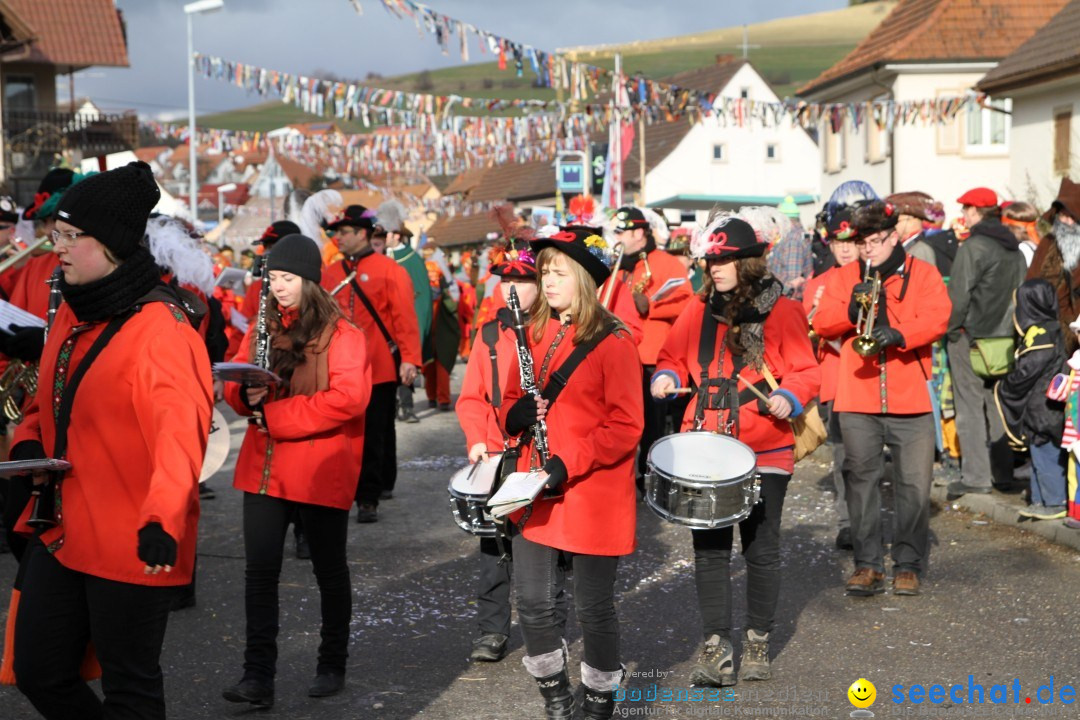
(889, 209)
(563, 236)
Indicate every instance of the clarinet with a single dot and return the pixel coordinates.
(43, 497)
(262, 334)
(528, 380)
(55, 298)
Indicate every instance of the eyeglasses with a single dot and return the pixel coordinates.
(873, 241)
(66, 239)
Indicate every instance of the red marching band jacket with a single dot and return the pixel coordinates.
(474, 406)
(312, 449)
(899, 385)
(655, 325)
(827, 353)
(136, 440)
(389, 288)
(788, 355)
(594, 428)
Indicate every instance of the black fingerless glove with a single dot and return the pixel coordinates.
(887, 336)
(156, 547)
(522, 415)
(854, 306)
(556, 470)
(25, 342)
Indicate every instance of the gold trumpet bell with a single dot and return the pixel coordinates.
(866, 346)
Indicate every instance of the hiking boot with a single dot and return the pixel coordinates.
(1043, 512)
(905, 582)
(327, 684)
(251, 690)
(367, 514)
(754, 662)
(558, 700)
(490, 647)
(716, 664)
(599, 704)
(866, 581)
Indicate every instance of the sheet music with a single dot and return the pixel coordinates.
(244, 373)
(667, 287)
(518, 490)
(13, 315)
(15, 468)
(231, 277)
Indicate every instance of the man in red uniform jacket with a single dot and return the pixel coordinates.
(377, 294)
(642, 273)
(883, 398)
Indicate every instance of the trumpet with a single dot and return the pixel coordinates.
(619, 250)
(865, 345)
(17, 375)
(646, 277)
(18, 257)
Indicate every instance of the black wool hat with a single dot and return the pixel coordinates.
(9, 212)
(629, 218)
(113, 206)
(356, 216)
(584, 244)
(276, 231)
(841, 226)
(517, 263)
(297, 254)
(729, 238)
(57, 179)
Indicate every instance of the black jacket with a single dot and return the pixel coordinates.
(1029, 416)
(987, 271)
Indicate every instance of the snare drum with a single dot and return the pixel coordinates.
(702, 479)
(469, 490)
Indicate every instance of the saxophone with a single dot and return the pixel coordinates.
(646, 277)
(528, 379)
(24, 375)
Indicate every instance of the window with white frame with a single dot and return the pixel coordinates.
(719, 152)
(744, 93)
(987, 128)
(772, 152)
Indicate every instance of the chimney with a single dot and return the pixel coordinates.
(722, 58)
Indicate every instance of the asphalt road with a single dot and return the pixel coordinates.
(1000, 605)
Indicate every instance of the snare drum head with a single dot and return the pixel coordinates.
(702, 457)
(475, 479)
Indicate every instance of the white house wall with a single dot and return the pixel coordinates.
(691, 170)
(1031, 175)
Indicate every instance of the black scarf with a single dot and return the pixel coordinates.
(115, 293)
(892, 264)
(629, 262)
(749, 320)
(354, 259)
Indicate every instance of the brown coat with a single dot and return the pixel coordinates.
(1049, 265)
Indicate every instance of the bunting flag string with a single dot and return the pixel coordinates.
(374, 106)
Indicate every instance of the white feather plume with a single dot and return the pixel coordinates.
(391, 216)
(699, 240)
(317, 208)
(658, 225)
(770, 224)
(175, 249)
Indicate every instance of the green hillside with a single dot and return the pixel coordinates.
(788, 52)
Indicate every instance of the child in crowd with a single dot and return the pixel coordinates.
(1033, 418)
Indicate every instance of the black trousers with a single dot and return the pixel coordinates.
(539, 580)
(59, 613)
(760, 533)
(266, 520)
(379, 469)
(493, 590)
(15, 497)
(657, 413)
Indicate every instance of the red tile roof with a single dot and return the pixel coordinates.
(462, 229)
(942, 31)
(1051, 52)
(76, 33)
(711, 79)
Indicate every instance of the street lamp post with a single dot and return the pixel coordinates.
(222, 189)
(195, 8)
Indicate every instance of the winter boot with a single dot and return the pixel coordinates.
(716, 664)
(549, 670)
(600, 687)
(754, 663)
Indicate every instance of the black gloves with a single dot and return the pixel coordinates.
(156, 547)
(854, 306)
(887, 336)
(556, 470)
(25, 342)
(27, 450)
(522, 415)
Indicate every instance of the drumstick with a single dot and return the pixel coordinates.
(761, 396)
(680, 391)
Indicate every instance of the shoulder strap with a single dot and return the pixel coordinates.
(67, 399)
(489, 333)
(561, 376)
(395, 352)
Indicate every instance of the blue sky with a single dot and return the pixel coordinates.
(308, 35)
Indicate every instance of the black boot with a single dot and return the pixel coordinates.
(598, 705)
(558, 700)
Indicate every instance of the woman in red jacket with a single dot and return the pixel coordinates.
(593, 430)
(301, 455)
(477, 409)
(756, 330)
(124, 395)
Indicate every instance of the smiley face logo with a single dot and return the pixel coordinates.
(862, 693)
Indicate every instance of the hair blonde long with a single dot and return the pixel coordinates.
(586, 313)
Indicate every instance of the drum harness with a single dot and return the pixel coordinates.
(489, 333)
(719, 393)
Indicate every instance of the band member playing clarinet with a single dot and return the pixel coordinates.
(739, 331)
(592, 431)
(302, 455)
(125, 397)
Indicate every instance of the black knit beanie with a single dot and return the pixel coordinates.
(113, 206)
(296, 254)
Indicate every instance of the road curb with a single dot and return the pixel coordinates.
(1005, 510)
